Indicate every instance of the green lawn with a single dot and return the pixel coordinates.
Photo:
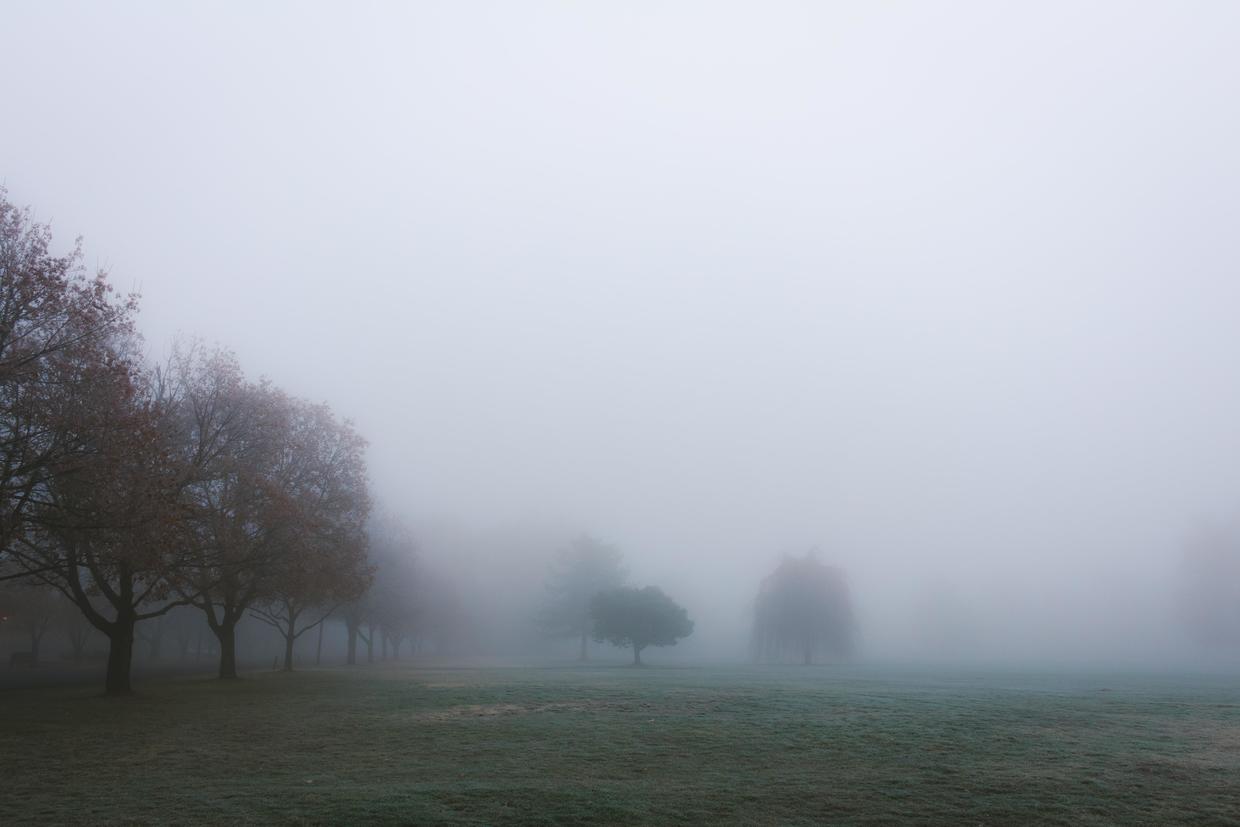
(620, 745)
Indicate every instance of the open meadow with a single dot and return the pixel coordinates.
(611, 744)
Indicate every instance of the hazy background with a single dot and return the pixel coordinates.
(949, 290)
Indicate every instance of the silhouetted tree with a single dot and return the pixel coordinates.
(239, 505)
(107, 529)
(56, 326)
(577, 574)
(629, 616)
(322, 562)
(803, 608)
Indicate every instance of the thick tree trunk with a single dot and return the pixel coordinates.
(809, 655)
(383, 641)
(318, 652)
(585, 653)
(34, 648)
(120, 656)
(637, 655)
(226, 633)
(395, 650)
(289, 639)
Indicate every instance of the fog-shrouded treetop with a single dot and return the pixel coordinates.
(579, 572)
(803, 610)
(629, 616)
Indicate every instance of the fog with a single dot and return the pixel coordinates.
(945, 291)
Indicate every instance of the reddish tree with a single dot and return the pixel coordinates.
(238, 500)
(108, 528)
(56, 323)
(321, 563)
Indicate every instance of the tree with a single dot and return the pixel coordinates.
(803, 608)
(76, 626)
(577, 574)
(55, 325)
(239, 506)
(106, 527)
(1209, 586)
(628, 616)
(321, 560)
(394, 591)
(32, 609)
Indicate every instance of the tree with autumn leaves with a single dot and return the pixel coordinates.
(133, 490)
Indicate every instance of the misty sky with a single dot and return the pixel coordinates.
(949, 290)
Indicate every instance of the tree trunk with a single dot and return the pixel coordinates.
(289, 639)
(34, 648)
(351, 659)
(585, 654)
(809, 655)
(318, 653)
(120, 656)
(637, 655)
(226, 633)
(395, 650)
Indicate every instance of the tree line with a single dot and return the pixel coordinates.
(130, 490)
(133, 488)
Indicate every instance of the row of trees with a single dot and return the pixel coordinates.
(132, 489)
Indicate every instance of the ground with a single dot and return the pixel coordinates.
(619, 745)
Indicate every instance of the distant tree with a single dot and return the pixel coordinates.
(803, 609)
(321, 563)
(629, 616)
(577, 574)
(1209, 587)
(32, 609)
(395, 592)
(357, 613)
(151, 632)
(77, 629)
(185, 624)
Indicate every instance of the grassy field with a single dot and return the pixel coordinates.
(618, 745)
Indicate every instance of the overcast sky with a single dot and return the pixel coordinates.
(950, 290)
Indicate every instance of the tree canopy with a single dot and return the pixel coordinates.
(629, 616)
(579, 572)
(803, 610)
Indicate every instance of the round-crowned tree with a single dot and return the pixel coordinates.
(629, 616)
(803, 610)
